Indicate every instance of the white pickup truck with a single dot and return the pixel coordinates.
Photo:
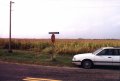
(102, 56)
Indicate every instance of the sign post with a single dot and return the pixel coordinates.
(53, 44)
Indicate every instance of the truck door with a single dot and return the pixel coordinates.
(116, 57)
(103, 58)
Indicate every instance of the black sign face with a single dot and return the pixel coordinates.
(53, 32)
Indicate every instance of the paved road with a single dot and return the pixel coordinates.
(18, 72)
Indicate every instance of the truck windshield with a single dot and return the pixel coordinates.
(97, 51)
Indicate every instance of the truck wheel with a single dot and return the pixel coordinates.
(87, 64)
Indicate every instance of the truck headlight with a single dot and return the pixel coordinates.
(73, 59)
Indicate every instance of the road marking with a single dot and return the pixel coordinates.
(38, 79)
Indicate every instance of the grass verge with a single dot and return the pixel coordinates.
(28, 57)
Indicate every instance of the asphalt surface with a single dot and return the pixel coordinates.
(22, 72)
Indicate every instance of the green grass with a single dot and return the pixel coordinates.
(37, 51)
(29, 57)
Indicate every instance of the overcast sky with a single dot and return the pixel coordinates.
(72, 18)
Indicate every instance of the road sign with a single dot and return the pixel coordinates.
(53, 36)
(53, 32)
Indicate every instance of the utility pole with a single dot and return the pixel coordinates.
(10, 50)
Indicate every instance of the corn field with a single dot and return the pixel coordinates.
(62, 46)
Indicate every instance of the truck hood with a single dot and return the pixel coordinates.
(84, 55)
